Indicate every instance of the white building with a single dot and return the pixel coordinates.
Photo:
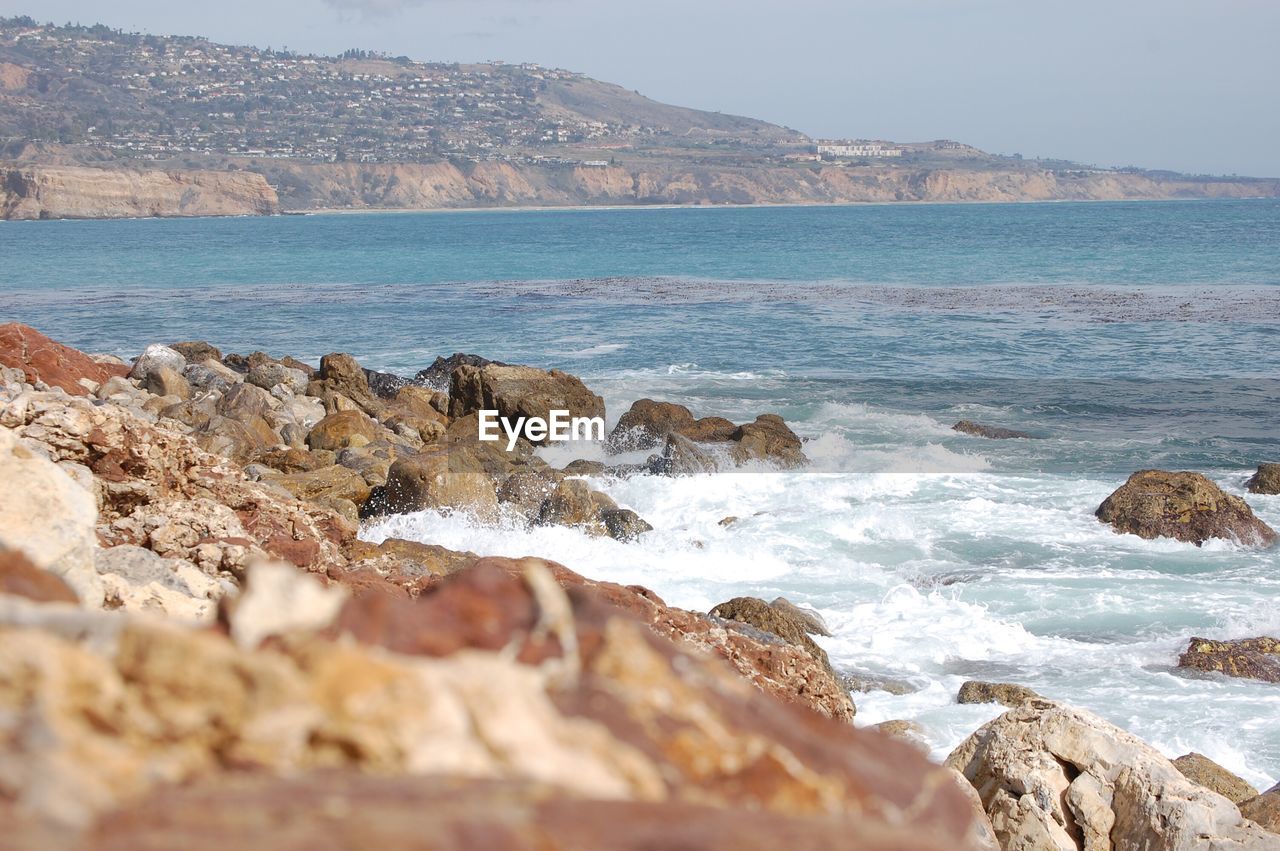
(856, 149)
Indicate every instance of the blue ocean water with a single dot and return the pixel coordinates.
(1125, 335)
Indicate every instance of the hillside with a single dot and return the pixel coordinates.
(97, 122)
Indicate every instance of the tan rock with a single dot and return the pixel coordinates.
(163, 381)
(343, 429)
(1202, 771)
(336, 482)
(520, 391)
(1008, 694)
(1250, 658)
(646, 423)
(435, 478)
(768, 440)
(791, 628)
(1266, 480)
(1185, 506)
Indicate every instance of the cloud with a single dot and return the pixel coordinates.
(374, 8)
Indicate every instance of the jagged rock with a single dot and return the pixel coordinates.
(163, 381)
(520, 391)
(768, 440)
(41, 359)
(154, 357)
(759, 614)
(292, 460)
(1266, 480)
(526, 490)
(138, 580)
(572, 502)
(1054, 777)
(646, 423)
(439, 375)
(268, 375)
(334, 482)
(49, 517)
(343, 429)
(1249, 658)
(1264, 809)
(1185, 506)
(710, 430)
(20, 578)
(436, 478)
(811, 621)
(623, 524)
(1202, 771)
(340, 374)
(197, 351)
(682, 457)
(385, 385)
(990, 432)
(583, 467)
(1007, 694)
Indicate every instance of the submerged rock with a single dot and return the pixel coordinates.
(1266, 480)
(989, 432)
(769, 440)
(1058, 778)
(976, 691)
(1248, 658)
(1184, 506)
(1202, 771)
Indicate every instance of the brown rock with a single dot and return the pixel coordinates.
(292, 460)
(583, 467)
(1264, 809)
(197, 351)
(237, 439)
(989, 432)
(572, 502)
(682, 457)
(520, 391)
(769, 440)
(343, 429)
(646, 423)
(1201, 770)
(810, 620)
(436, 478)
(1007, 694)
(163, 381)
(1266, 480)
(525, 490)
(623, 524)
(41, 359)
(1248, 658)
(405, 563)
(327, 482)
(21, 578)
(340, 374)
(790, 628)
(709, 430)
(1185, 506)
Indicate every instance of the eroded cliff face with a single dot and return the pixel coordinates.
(70, 192)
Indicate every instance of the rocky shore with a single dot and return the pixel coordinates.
(199, 650)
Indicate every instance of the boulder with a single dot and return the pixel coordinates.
(682, 457)
(1266, 480)
(808, 619)
(385, 385)
(709, 430)
(341, 375)
(41, 359)
(1058, 778)
(439, 375)
(20, 578)
(138, 580)
(526, 490)
(759, 614)
(768, 440)
(406, 563)
(1184, 506)
(989, 432)
(49, 517)
(239, 440)
(155, 356)
(1248, 658)
(343, 429)
(583, 467)
(326, 482)
(203, 378)
(1264, 809)
(572, 502)
(163, 381)
(646, 423)
(434, 479)
(623, 524)
(1202, 771)
(269, 375)
(1008, 694)
(293, 460)
(197, 351)
(520, 391)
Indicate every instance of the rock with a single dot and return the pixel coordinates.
(709, 430)
(277, 600)
(41, 359)
(414, 407)
(49, 517)
(989, 432)
(155, 356)
(236, 439)
(768, 440)
(340, 374)
(811, 621)
(406, 563)
(439, 375)
(197, 351)
(1008, 694)
(526, 490)
(1248, 658)
(909, 732)
(385, 385)
(646, 423)
(572, 502)
(623, 524)
(138, 580)
(243, 401)
(163, 381)
(327, 482)
(583, 467)
(343, 429)
(874, 682)
(682, 457)
(1266, 480)
(790, 628)
(268, 375)
(205, 379)
(292, 460)
(729, 521)
(520, 391)
(434, 479)
(1054, 777)
(20, 578)
(1202, 771)
(372, 462)
(1185, 506)
(1264, 809)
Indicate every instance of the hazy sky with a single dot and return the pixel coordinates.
(1192, 85)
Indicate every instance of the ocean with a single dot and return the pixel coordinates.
(1122, 335)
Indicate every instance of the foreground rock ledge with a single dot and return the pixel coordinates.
(1054, 778)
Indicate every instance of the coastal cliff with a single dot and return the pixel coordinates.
(72, 192)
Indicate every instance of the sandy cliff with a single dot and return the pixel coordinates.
(69, 192)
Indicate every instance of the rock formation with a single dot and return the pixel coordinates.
(1185, 506)
(1266, 480)
(1250, 658)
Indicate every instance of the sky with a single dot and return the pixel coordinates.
(1188, 85)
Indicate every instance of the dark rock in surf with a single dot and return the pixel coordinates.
(440, 373)
(990, 432)
(1006, 694)
(1247, 658)
(1184, 506)
(1266, 480)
